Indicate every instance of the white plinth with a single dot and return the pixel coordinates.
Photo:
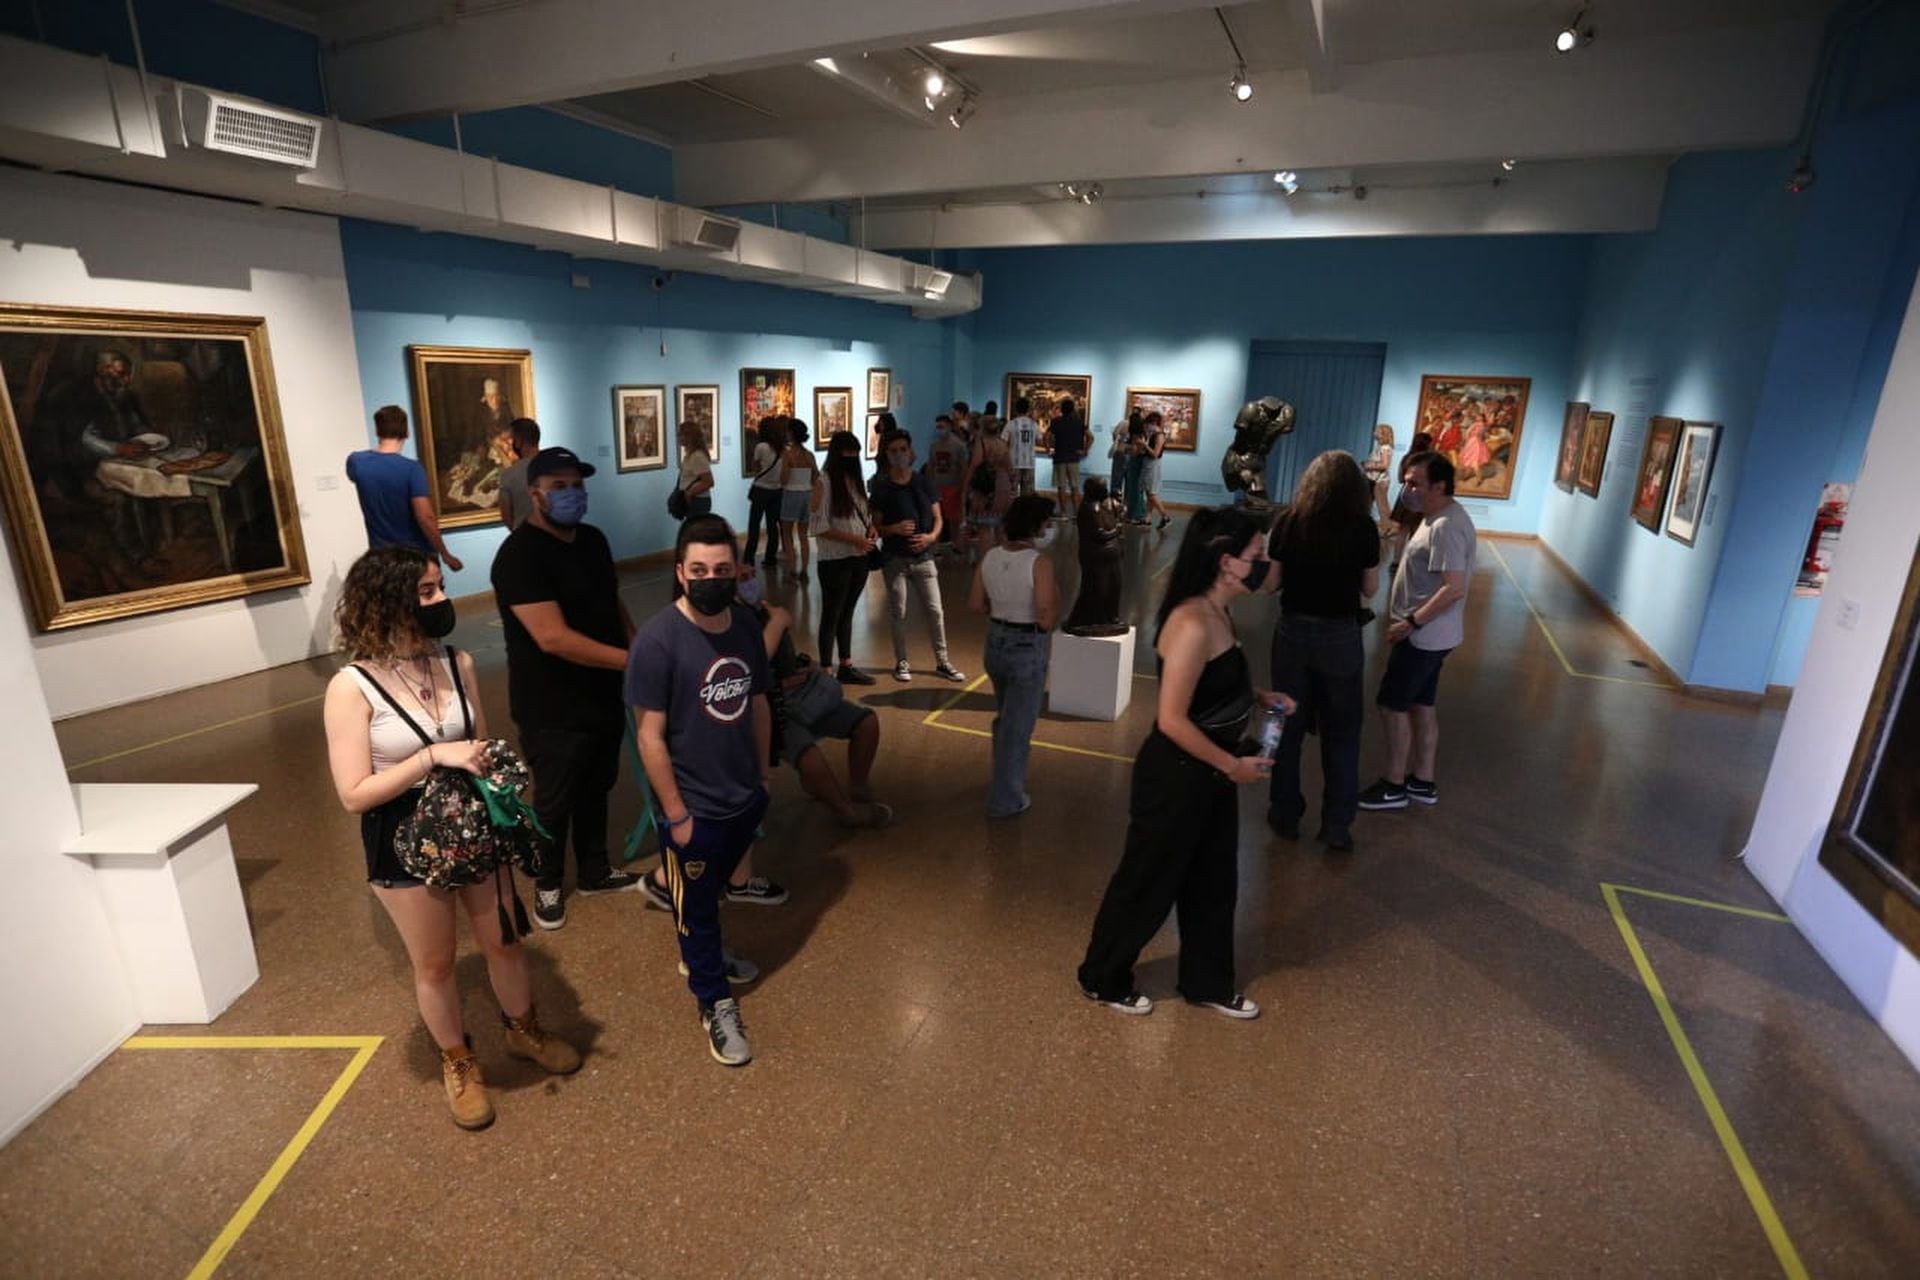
(161, 856)
(1092, 676)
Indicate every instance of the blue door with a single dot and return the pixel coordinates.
(1334, 388)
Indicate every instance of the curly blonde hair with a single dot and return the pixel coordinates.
(375, 617)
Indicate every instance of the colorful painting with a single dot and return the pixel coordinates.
(832, 412)
(1567, 469)
(1044, 391)
(1656, 469)
(639, 428)
(1824, 542)
(1476, 422)
(1179, 409)
(763, 393)
(699, 405)
(464, 399)
(143, 462)
(1593, 453)
(879, 388)
(1692, 473)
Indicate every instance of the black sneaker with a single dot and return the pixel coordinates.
(947, 671)
(1133, 1003)
(1383, 795)
(1421, 791)
(615, 882)
(549, 908)
(850, 674)
(655, 893)
(1287, 827)
(760, 891)
(1337, 838)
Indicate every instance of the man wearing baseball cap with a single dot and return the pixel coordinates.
(567, 635)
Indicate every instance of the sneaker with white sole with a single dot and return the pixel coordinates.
(760, 891)
(655, 893)
(947, 671)
(549, 908)
(903, 671)
(615, 882)
(726, 1033)
(1234, 1006)
(1383, 795)
(1420, 791)
(1132, 1003)
(740, 971)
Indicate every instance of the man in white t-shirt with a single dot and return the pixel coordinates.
(1428, 607)
(1023, 435)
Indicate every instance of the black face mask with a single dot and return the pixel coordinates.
(711, 596)
(435, 620)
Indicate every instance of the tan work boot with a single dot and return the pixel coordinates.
(466, 1091)
(525, 1039)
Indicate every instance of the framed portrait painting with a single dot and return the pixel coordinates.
(1044, 392)
(640, 428)
(832, 412)
(1872, 845)
(873, 434)
(1476, 422)
(1567, 469)
(879, 388)
(1692, 473)
(464, 399)
(1656, 469)
(698, 405)
(1593, 453)
(763, 393)
(143, 462)
(1179, 410)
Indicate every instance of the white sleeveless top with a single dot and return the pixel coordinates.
(823, 519)
(799, 479)
(1009, 579)
(390, 737)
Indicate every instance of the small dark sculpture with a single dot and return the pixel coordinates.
(1256, 430)
(1096, 610)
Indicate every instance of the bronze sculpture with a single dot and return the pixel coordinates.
(1256, 429)
(1096, 610)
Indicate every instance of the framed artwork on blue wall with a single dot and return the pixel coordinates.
(1476, 422)
(763, 393)
(699, 406)
(1593, 453)
(1043, 392)
(879, 388)
(1179, 410)
(832, 412)
(1692, 473)
(1656, 469)
(639, 428)
(1572, 426)
(464, 400)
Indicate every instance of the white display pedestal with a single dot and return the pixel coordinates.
(1092, 676)
(165, 868)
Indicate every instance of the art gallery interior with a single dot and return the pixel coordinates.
(1616, 1006)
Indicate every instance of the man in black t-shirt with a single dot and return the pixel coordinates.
(907, 514)
(567, 636)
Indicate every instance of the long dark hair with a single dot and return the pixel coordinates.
(1332, 494)
(843, 472)
(1211, 533)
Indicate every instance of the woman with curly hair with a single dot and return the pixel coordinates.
(406, 706)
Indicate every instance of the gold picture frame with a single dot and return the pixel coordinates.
(1475, 421)
(461, 427)
(1179, 410)
(143, 462)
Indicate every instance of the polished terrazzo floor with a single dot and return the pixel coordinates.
(1459, 1072)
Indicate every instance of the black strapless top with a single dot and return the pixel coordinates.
(1223, 697)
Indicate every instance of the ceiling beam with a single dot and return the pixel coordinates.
(403, 58)
(1737, 87)
(1310, 21)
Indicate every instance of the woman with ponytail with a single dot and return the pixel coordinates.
(1184, 830)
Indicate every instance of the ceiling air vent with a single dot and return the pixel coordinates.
(696, 229)
(220, 122)
(931, 282)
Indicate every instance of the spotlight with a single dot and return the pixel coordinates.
(1071, 190)
(962, 111)
(936, 84)
(1241, 86)
(1507, 165)
(1573, 35)
(1287, 180)
(1092, 194)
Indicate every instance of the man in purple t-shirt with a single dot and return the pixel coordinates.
(697, 681)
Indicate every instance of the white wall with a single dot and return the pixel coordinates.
(66, 1002)
(1830, 704)
(76, 242)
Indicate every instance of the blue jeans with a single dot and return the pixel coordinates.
(1016, 662)
(696, 877)
(1319, 661)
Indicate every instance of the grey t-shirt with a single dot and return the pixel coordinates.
(1443, 543)
(515, 503)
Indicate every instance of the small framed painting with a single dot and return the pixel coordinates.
(832, 411)
(465, 399)
(700, 406)
(879, 388)
(763, 393)
(1692, 473)
(1593, 453)
(1476, 422)
(639, 435)
(1571, 427)
(1656, 468)
(1043, 392)
(873, 435)
(1179, 410)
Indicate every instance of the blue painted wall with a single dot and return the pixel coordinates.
(1184, 315)
(407, 288)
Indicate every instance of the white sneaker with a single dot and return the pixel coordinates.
(1135, 1003)
(902, 672)
(726, 1033)
(1235, 1006)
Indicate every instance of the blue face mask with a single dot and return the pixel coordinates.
(751, 591)
(566, 507)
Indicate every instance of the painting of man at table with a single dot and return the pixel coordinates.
(465, 400)
(146, 466)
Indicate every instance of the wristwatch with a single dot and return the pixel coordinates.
(1413, 623)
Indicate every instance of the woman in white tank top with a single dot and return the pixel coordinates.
(407, 706)
(1016, 588)
(798, 469)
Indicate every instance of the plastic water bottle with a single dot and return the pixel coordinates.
(1272, 721)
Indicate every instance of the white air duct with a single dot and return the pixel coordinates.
(698, 229)
(241, 127)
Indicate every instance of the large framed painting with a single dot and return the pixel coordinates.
(143, 462)
(832, 412)
(640, 428)
(879, 388)
(1572, 426)
(1593, 453)
(1179, 410)
(1476, 422)
(699, 404)
(1692, 472)
(1043, 392)
(1873, 843)
(763, 393)
(1656, 469)
(464, 399)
